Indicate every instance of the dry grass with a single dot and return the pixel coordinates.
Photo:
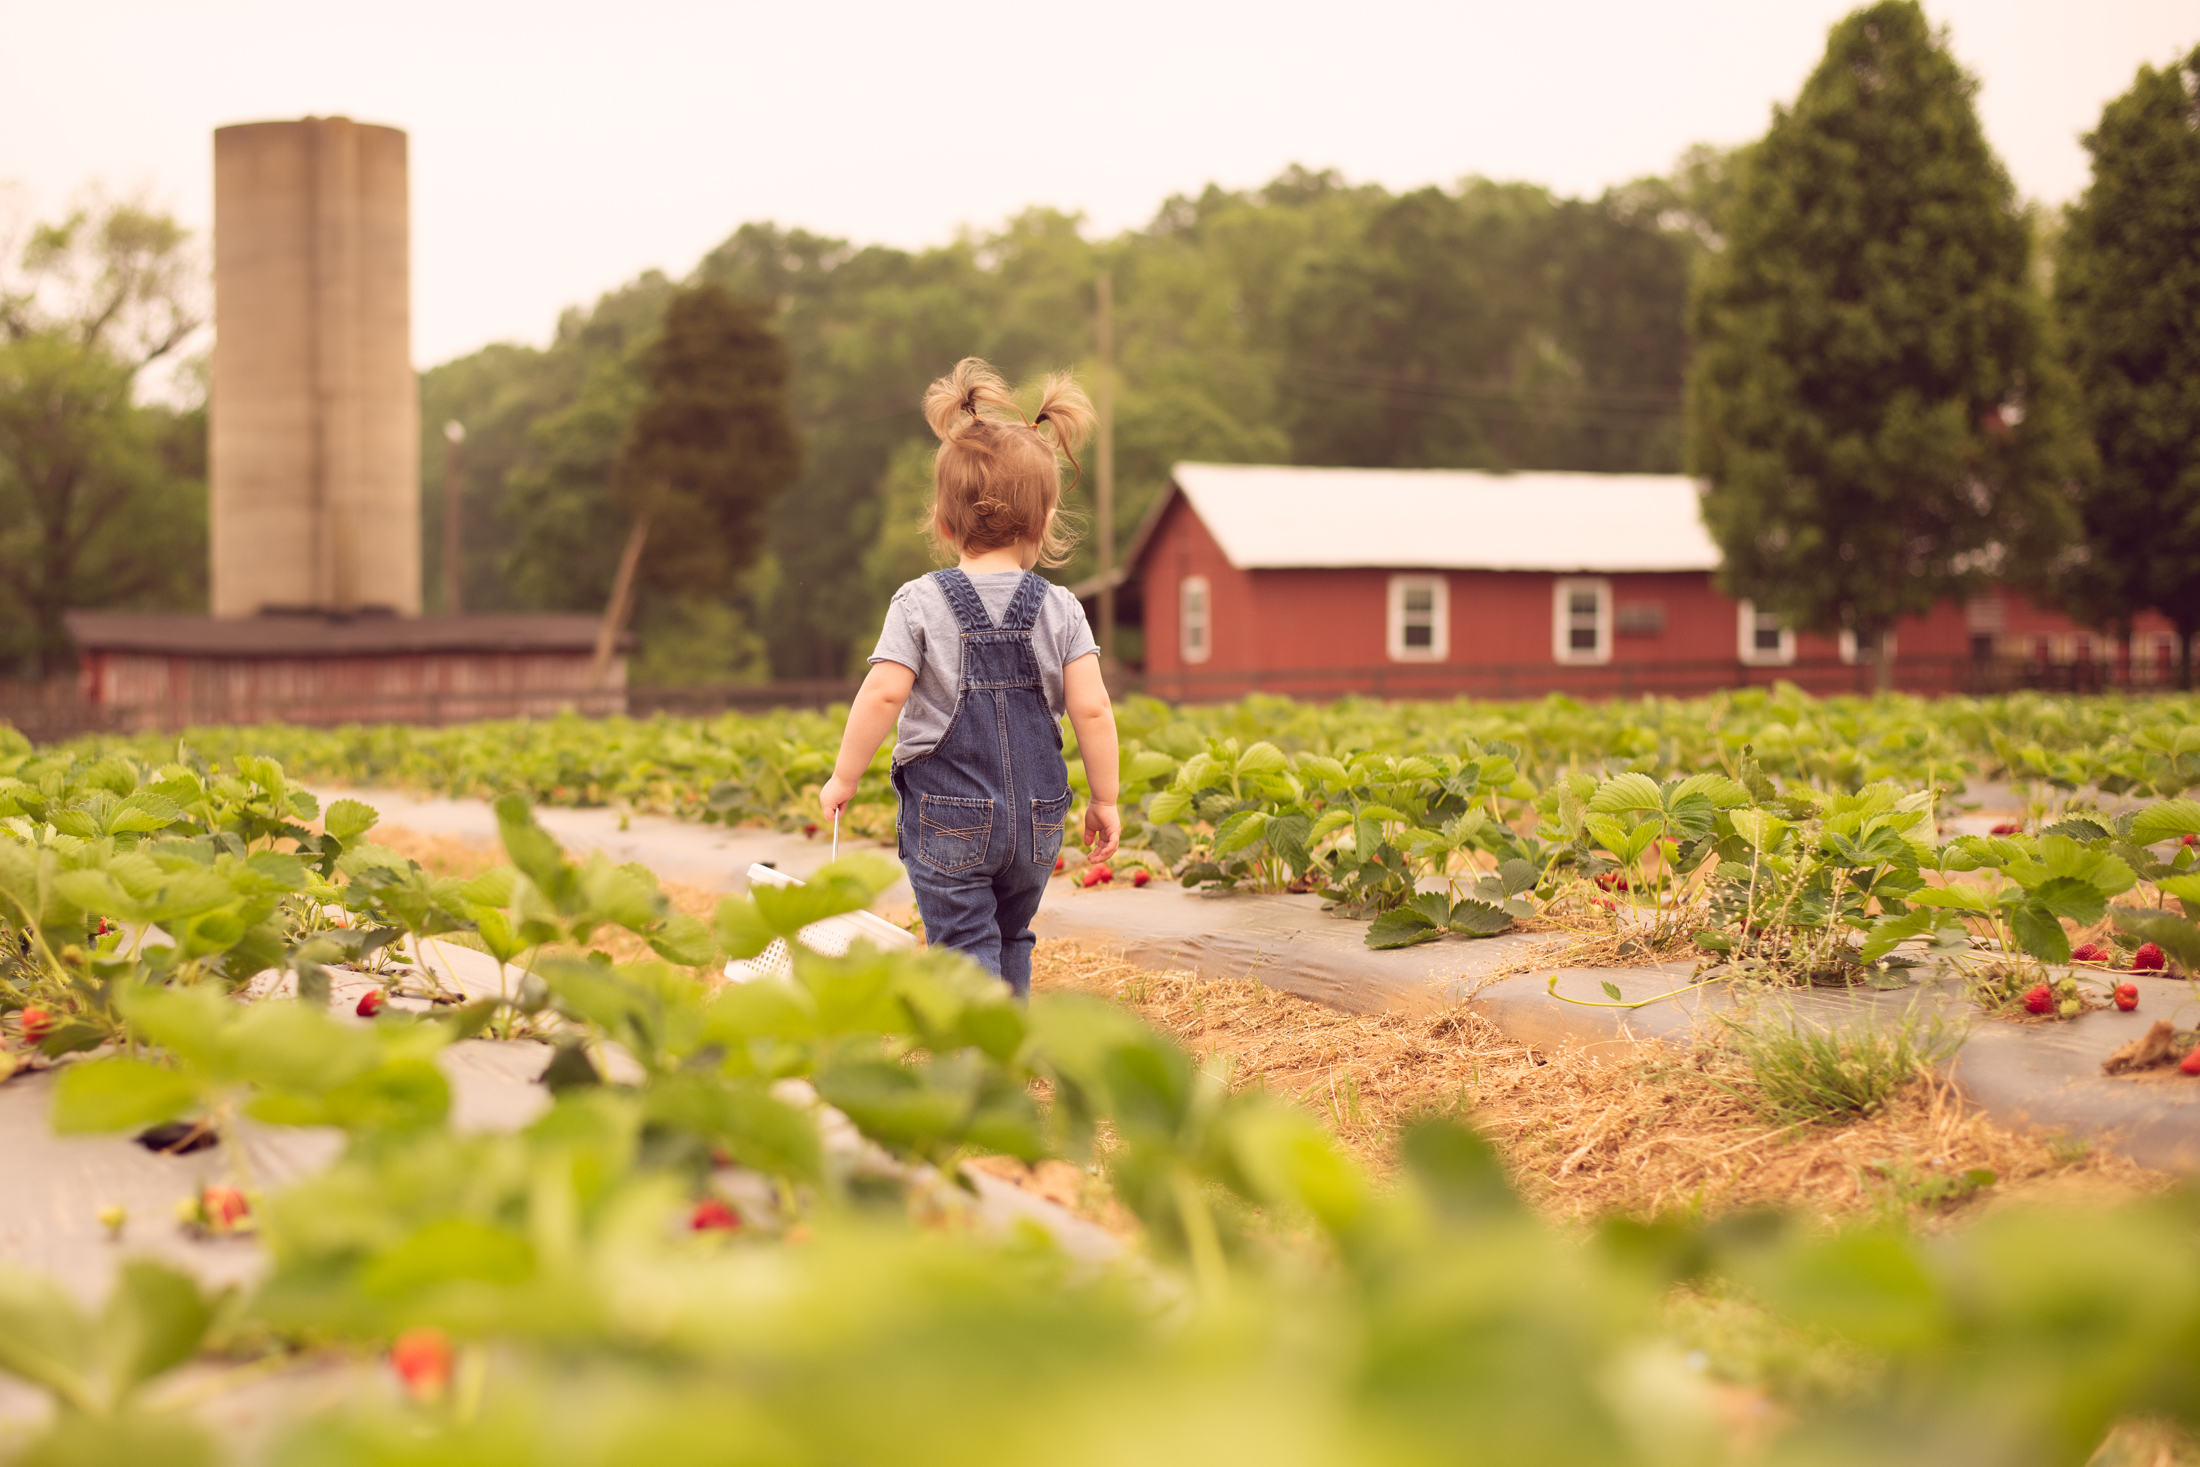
(1587, 1135)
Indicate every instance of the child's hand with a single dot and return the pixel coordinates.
(1103, 831)
(836, 794)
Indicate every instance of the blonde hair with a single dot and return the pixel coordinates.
(997, 479)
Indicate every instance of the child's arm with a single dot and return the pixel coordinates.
(1093, 716)
(870, 719)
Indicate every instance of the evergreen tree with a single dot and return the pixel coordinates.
(2127, 287)
(1872, 398)
(712, 444)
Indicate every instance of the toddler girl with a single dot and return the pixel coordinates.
(978, 664)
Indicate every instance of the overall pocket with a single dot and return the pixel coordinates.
(952, 833)
(1046, 827)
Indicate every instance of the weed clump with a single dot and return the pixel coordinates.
(1800, 1070)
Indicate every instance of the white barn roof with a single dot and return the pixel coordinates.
(1276, 517)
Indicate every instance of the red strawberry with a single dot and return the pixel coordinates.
(2190, 1064)
(2191, 840)
(37, 1024)
(225, 1207)
(1612, 881)
(371, 1003)
(2008, 827)
(1107, 873)
(1059, 863)
(422, 1360)
(2039, 999)
(2148, 959)
(2089, 952)
(809, 830)
(1141, 876)
(2127, 996)
(1091, 878)
(713, 1216)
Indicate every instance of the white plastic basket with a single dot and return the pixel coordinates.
(831, 937)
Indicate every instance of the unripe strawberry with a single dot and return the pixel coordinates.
(712, 1215)
(2070, 1008)
(422, 1359)
(37, 1024)
(1141, 876)
(2127, 996)
(224, 1207)
(2148, 959)
(371, 1003)
(2190, 1064)
(2039, 999)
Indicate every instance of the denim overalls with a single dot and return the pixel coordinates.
(981, 815)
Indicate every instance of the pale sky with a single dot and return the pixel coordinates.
(559, 148)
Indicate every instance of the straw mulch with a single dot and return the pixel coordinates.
(1587, 1135)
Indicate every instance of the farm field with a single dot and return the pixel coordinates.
(736, 1217)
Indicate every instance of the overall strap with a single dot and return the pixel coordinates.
(1023, 608)
(963, 600)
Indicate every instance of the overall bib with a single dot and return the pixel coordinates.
(981, 815)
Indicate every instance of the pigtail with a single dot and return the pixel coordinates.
(1063, 404)
(957, 401)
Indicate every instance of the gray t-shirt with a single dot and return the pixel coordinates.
(921, 634)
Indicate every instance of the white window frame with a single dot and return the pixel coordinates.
(1745, 640)
(1562, 647)
(1195, 614)
(1848, 647)
(1439, 647)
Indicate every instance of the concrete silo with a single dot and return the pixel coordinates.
(315, 435)
(316, 482)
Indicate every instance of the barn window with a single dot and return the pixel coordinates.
(1853, 654)
(1581, 619)
(1764, 641)
(1420, 619)
(1194, 618)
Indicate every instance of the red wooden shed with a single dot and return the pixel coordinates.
(1436, 582)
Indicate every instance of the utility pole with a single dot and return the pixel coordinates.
(454, 598)
(1104, 483)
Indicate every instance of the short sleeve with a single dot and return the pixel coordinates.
(902, 638)
(1073, 631)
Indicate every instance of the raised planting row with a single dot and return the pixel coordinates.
(685, 1267)
(1802, 838)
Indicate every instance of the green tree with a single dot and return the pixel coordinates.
(712, 444)
(1210, 298)
(660, 398)
(1873, 399)
(102, 500)
(2127, 288)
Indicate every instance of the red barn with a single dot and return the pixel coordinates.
(1435, 582)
